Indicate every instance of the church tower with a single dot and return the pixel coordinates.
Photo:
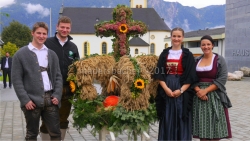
(138, 3)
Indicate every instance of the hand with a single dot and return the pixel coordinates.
(54, 100)
(201, 93)
(169, 92)
(177, 93)
(30, 105)
(205, 98)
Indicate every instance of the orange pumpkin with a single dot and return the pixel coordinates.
(111, 101)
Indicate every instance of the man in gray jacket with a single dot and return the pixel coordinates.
(37, 81)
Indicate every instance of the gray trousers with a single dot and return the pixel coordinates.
(50, 116)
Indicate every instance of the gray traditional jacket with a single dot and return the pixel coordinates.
(27, 77)
(220, 81)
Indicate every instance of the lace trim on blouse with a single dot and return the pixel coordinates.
(205, 68)
(174, 54)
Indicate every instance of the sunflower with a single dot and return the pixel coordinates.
(139, 83)
(72, 86)
(123, 28)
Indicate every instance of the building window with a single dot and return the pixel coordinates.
(104, 48)
(216, 43)
(136, 51)
(166, 45)
(137, 6)
(85, 50)
(140, 6)
(152, 48)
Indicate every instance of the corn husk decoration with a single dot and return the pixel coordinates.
(113, 84)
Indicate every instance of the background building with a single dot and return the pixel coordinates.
(237, 39)
(192, 40)
(83, 32)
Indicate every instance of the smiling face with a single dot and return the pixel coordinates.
(63, 30)
(206, 46)
(177, 38)
(39, 37)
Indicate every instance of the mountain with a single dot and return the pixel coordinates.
(174, 14)
(189, 18)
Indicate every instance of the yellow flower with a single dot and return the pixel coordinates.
(123, 28)
(72, 86)
(139, 83)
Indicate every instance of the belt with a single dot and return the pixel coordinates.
(49, 91)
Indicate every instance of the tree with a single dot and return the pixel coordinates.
(17, 33)
(4, 14)
(9, 47)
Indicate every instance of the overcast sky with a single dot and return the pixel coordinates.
(195, 3)
(199, 3)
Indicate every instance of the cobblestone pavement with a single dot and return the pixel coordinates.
(12, 122)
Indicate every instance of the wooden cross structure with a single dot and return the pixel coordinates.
(122, 27)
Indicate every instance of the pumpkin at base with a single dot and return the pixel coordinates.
(111, 101)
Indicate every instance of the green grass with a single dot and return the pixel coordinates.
(1, 78)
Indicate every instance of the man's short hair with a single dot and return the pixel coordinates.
(64, 19)
(40, 24)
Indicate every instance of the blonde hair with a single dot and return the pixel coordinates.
(177, 29)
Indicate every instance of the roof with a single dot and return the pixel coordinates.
(199, 33)
(84, 18)
(137, 41)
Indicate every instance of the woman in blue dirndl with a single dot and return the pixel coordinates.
(175, 72)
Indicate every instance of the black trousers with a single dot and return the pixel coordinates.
(6, 71)
(64, 110)
(50, 116)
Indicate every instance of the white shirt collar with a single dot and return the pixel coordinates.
(31, 47)
(62, 42)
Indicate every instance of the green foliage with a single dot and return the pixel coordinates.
(4, 14)
(135, 122)
(91, 113)
(9, 47)
(17, 33)
(116, 119)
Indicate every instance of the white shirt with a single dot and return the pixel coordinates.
(174, 54)
(62, 42)
(205, 68)
(7, 64)
(42, 57)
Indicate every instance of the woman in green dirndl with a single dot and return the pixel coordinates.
(211, 103)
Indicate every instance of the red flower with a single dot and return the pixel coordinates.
(111, 101)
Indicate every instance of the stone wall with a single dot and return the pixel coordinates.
(237, 34)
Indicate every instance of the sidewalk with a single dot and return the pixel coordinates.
(12, 122)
